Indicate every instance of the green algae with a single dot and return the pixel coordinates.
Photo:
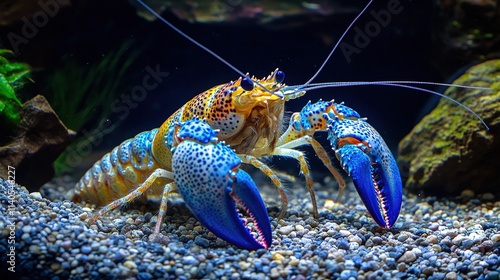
(450, 149)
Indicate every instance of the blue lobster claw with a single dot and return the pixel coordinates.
(366, 158)
(208, 177)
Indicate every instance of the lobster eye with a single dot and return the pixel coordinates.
(279, 77)
(247, 83)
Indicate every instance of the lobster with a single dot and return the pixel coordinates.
(241, 122)
(247, 119)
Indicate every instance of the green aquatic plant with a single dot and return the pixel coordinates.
(82, 93)
(12, 76)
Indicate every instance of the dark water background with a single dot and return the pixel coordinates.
(88, 30)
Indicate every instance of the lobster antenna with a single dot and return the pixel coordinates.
(290, 91)
(337, 44)
(293, 91)
(189, 38)
(201, 46)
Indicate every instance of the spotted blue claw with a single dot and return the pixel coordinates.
(208, 177)
(366, 158)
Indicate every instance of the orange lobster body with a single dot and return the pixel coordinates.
(250, 122)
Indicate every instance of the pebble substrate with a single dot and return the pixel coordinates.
(433, 238)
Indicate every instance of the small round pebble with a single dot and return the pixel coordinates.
(36, 195)
(408, 257)
(286, 230)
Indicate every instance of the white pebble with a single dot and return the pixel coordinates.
(355, 239)
(344, 232)
(408, 257)
(130, 264)
(458, 239)
(495, 237)
(286, 230)
(36, 195)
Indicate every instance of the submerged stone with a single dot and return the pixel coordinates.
(38, 141)
(450, 150)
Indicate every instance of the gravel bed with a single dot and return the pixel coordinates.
(434, 238)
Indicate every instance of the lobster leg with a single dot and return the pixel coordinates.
(304, 169)
(156, 235)
(287, 151)
(157, 174)
(321, 153)
(271, 174)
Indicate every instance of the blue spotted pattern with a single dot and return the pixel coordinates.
(371, 165)
(207, 175)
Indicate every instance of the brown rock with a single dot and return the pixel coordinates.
(40, 138)
(451, 150)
